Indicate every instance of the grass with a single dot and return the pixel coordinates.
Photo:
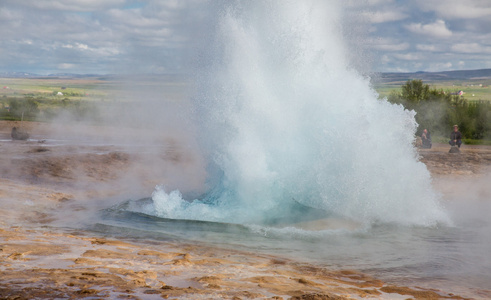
(9, 118)
(87, 89)
(474, 90)
(84, 97)
(78, 93)
(444, 140)
(83, 90)
(476, 142)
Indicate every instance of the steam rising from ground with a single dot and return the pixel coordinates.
(148, 119)
(287, 125)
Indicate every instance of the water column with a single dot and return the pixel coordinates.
(288, 123)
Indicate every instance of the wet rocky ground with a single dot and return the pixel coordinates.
(51, 179)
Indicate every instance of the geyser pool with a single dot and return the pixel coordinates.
(286, 122)
(294, 134)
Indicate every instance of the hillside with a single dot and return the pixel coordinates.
(433, 77)
(475, 84)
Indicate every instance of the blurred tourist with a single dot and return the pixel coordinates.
(426, 139)
(455, 137)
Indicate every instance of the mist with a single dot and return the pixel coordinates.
(468, 203)
(271, 85)
(262, 130)
(168, 115)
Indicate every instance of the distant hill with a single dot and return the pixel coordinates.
(33, 75)
(17, 75)
(377, 78)
(397, 78)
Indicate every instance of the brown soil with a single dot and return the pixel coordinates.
(471, 161)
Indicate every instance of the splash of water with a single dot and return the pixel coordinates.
(292, 129)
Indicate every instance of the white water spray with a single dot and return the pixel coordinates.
(290, 128)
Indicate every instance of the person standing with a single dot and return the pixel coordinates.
(455, 137)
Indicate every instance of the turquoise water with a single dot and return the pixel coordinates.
(451, 258)
(304, 160)
(285, 120)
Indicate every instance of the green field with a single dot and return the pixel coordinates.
(104, 88)
(89, 98)
(51, 95)
(47, 88)
(474, 90)
(91, 88)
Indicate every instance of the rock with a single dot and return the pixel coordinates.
(454, 149)
(18, 134)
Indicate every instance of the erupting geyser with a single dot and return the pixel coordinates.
(289, 127)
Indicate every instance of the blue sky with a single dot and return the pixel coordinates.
(156, 36)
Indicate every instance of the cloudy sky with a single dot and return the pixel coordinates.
(151, 36)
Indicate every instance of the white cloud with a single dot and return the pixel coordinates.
(384, 16)
(66, 5)
(134, 18)
(78, 46)
(103, 51)
(161, 35)
(8, 15)
(108, 51)
(426, 47)
(379, 2)
(408, 56)
(385, 59)
(391, 46)
(437, 29)
(439, 66)
(82, 46)
(470, 48)
(66, 66)
(368, 3)
(449, 34)
(457, 9)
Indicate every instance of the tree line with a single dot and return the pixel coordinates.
(438, 110)
(31, 109)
